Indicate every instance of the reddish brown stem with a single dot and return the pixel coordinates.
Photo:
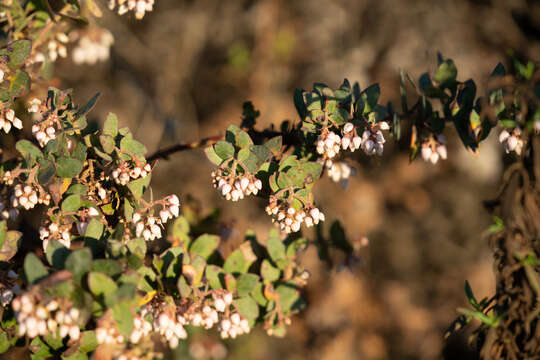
(166, 152)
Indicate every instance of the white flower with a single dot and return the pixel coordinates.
(512, 140)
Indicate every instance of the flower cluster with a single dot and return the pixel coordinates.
(124, 173)
(53, 230)
(8, 119)
(36, 319)
(43, 135)
(328, 143)
(6, 295)
(433, 149)
(203, 350)
(206, 317)
(35, 106)
(55, 47)
(107, 333)
(168, 325)
(93, 47)
(512, 140)
(231, 323)
(29, 196)
(140, 7)
(222, 300)
(338, 170)
(85, 216)
(290, 219)
(350, 139)
(170, 208)
(7, 213)
(8, 288)
(141, 329)
(234, 187)
(44, 130)
(233, 326)
(373, 139)
(148, 226)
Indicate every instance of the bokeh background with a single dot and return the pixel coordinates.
(183, 72)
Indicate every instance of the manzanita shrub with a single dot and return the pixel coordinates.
(123, 275)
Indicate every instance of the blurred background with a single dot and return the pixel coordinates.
(183, 72)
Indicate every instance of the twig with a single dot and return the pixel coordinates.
(166, 152)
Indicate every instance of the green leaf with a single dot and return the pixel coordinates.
(212, 155)
(183, 287)
(289, 298)
(79, 262)
(79, 152)
(248, 308)
(20, 84)
(4, 342)
(236, 263)
(243, 140)
(71, 203)
(46, 171)
(246, 283)
(40, 349)
(339, 239)
(18, 51)
(295, 246)
(224, 150)
(3, 232)
(238, 137)
(107, 142)
(100, 284)
(124, 319)
(180, 231)
(251, 162)
(68, 167)
(28, 150)
(55, 342)
(269, 272)
(275, 247)
(56, 254)
(137, 247)
(470, 296)
(299, 103)
(88, 341)
(446, 73)
(213, 274)
(34, 269)
(172, 261)
(78, 189)
(137, 187)
(205, 245)
(10, 246)
(369, 98)
(498, 225)
(4, 95)
(313, 102)
(274, 144)
(198, 264)
(258, 294)
(107, 266)
(498, 71)
(486, 319)
(111, 125)
(261, 152)
(133, 146)
(94, 229)
(85, 109)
